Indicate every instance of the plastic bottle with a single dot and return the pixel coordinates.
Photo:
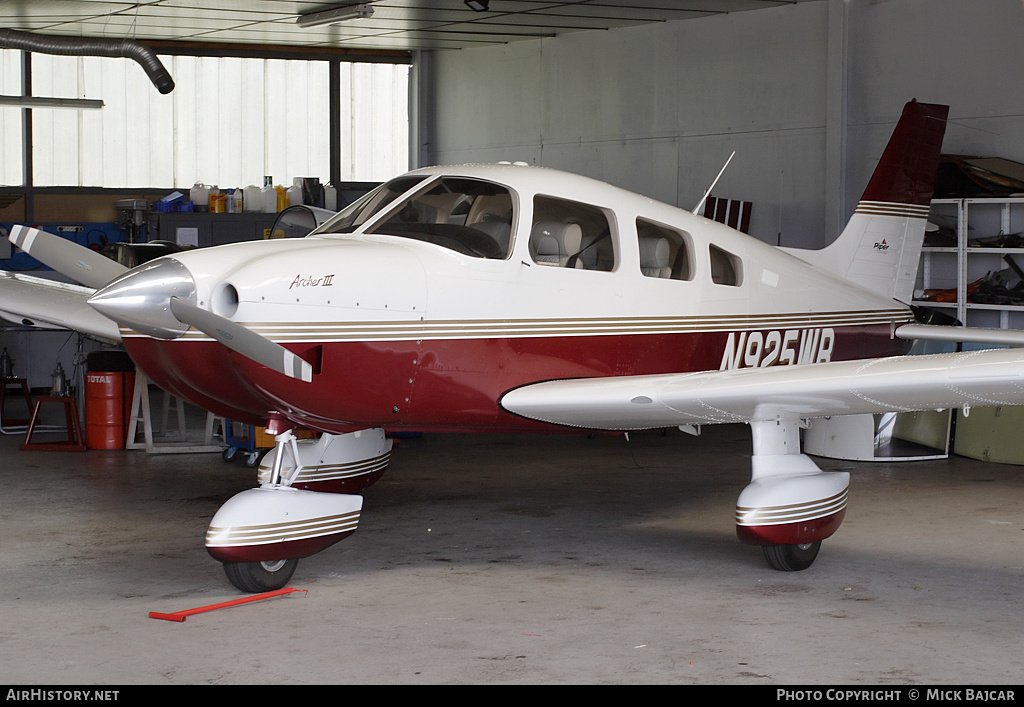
(200, 196)
(295, 192)
(330, 197)
(282, 198)
(216, 200)
(268, 196)
(253, 202)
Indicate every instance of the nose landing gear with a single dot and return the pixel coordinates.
(265, 576)
(260, 534)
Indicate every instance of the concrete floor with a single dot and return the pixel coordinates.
(495, 559)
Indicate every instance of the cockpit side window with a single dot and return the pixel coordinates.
(664, 252)
(569, 234)
(469, 216)
(726, 268)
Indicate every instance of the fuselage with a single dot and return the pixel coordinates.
(459, 284)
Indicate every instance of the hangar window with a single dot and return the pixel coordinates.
(569, 234)
(228, 122)
(469, 216)
(726, 268)
(664, 252)
(11, 119)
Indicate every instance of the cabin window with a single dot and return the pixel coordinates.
(569, 234)
(726, 268)
(664, 252)
(469, 216)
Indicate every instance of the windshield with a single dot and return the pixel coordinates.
(359, 211)
(469, 216)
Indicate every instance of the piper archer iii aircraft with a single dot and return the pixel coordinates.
(521, 299)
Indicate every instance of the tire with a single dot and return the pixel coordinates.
(791, 558)
(256, 577)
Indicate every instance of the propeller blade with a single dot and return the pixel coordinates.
(37, 302)
(242, 340)
(66, 257)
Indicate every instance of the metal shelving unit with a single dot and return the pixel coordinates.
(956, 267)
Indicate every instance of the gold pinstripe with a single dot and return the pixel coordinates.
(281, 532)
(332, 472)
(881, 208)
(510, 328)
(795, 513)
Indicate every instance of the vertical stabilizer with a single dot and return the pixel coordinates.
(881, 245)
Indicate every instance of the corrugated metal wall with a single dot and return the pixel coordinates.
(228, 122)
(656, 109)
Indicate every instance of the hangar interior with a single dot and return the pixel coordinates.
(504, 558)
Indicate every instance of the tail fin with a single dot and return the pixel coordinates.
(881, 245)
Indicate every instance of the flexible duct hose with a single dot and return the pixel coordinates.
(80, 46)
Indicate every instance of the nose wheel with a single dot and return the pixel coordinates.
(264, 576)
(791, 558)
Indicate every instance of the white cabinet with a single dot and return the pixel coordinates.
(985, 234)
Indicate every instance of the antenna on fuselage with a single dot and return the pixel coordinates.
(708, 192)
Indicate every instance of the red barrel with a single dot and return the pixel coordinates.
(108, 398)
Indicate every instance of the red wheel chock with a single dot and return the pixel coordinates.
(180, 616)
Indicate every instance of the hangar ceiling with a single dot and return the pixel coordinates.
(402, 25)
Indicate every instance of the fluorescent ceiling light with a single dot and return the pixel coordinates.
(337, 14)
(36, 102)
(478, 5)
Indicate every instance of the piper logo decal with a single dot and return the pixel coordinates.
(757, 349)
(310, 281)
(883, 246)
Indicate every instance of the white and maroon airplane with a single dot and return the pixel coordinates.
(518, 299)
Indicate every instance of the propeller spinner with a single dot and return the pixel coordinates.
(159, 299)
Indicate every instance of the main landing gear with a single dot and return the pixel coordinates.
(301, 507)
(791, 558)
(790, 505)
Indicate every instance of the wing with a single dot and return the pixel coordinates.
(39, 302)
(901, 383)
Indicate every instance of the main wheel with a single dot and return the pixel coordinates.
(260, 576)
(791, 558)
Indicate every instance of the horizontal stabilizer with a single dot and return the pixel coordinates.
(961, 335)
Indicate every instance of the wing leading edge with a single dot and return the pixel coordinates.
(749, 395)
